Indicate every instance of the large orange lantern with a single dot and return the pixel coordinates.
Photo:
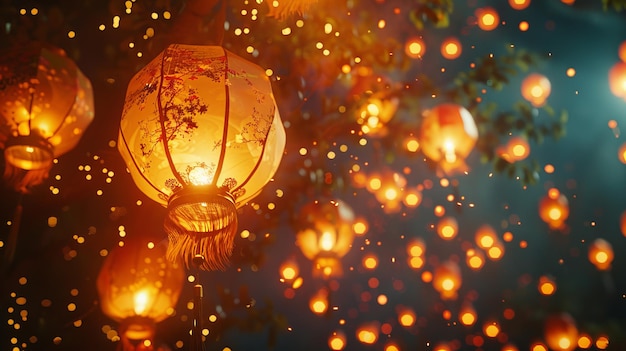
(201, 134)
(617, 79)
(447, 135)
(46, 103)
(536, 89)
(554, 209)
(138, 287)
(325, 235)
(560, 332)
(601, 254)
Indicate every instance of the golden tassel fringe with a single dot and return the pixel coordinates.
(286, 8)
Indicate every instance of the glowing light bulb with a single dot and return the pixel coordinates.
(327, 241)
(141, 300)
(448, 151)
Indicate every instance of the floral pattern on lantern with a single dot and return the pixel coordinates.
(139, 287)
(447, 135)
(325, 235)
(46, 104)
(201, 134)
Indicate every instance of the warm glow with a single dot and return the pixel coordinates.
(327, 241)
(621, 51)
(406, 317)
(488, 18)
(519, 4)
(447, 228)
(617, 79)
(447, 279)
(536, 89)
(601, 254)
(584, 341)
(415, 48)
(561, 333)
(337, 341)
(491, 329)
(467, 316)
(554, 209)
(141, 300)
(451, 48)
(546, 285)
(367, 334)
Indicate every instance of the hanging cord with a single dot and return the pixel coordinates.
(200, 22)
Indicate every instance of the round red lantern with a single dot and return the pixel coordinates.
(201, 134)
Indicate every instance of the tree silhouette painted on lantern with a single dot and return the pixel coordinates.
(201, 134)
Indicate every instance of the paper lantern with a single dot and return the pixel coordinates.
(536, 89)
(447, 135)
(560, 332)
(601, 254)
(325, 235)
(447, 280)
(201, 134)
(139, 287)
(451, 48)
(285, 8)
(617, 79)
(46, 103)
(488, 18)
(554, 209)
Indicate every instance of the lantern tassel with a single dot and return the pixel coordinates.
(215, 242)
(284, 8)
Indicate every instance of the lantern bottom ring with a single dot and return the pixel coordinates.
(28, 152)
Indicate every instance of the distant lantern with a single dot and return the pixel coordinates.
(201, 134)
(451, 48)
(560, 332)
(46, 103)
(285, 8)
(337, 341)
(617, 79)
(488, 18)
(325, 235)
(375, 113)
(447, 280)
(516, 149)
(554, 209)
(138, 287)
(601, 254)
(536, 89)
(447, 228)
(621, 51)
(415, 48)
(447, 135)
(519, 4)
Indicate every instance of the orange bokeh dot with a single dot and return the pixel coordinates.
(621, 51)
(488, 18)
(523, 26)
(519, 4)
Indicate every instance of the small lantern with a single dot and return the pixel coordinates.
(519, 4)
(516, 149)
(326, 235)
(447, 136)
(201, 134)
(554, 209)
(447, 228)
(535, 89)
(617, 79)
(139, 287)
(46, 103)
(488, 18)
(415, 48)
(601, 254)
(451, 48)
(560, 332)
(447, 280)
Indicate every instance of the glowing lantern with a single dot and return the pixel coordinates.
(289, 270)
(474, 259)
(406, 316)
(617, 79)
(560, 332)
(554, 209)
(285, 8)
(546, 286)
(467, 315)
(488, 18)
(337, 341)
(447, 228)
(319, 302)
(536, 89)
(388, 188)
(415, 48)
(367, 333)
(201, 134)
(451, 48)
(447, 136)
(447, 280)
(519, 4)
(516, 149)
(491, 329)
(139, 287)
(375, 113)
(621, 153)
(46, 103)
(601, 254)
(325, 235)
(486, 237)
